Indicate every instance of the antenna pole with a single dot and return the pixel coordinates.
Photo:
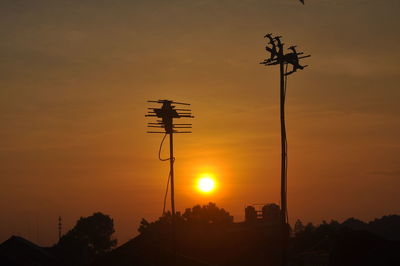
(165, 116)
(278, 56)
(171, 165)
(285, 233)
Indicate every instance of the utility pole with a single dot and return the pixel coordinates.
(278, 57)
(166, 114)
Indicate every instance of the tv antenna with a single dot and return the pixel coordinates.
(275, 47)
(165, 122)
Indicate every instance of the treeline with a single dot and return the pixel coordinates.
(387, 227)
(207, 235)
(350, 243)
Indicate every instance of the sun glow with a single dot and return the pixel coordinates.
(206, 183)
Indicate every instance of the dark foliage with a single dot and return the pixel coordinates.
(387, 227)
(197, 216)
(205, 235)
(351, 243)
(91, 236)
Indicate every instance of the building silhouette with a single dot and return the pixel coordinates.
(268, 214)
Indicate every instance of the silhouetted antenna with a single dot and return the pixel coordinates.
(167, 113)
(277, 56)
(59, 227)
(165, 123)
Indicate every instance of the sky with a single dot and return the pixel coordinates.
(75, 77)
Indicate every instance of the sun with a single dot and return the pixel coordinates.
(206, 183)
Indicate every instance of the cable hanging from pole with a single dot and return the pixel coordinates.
(159, 150)
(166, 193)
(169, 173)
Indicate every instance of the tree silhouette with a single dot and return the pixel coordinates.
(207, 214)
(203, 232)
(90, 237)
(198, 215)
(298, 227)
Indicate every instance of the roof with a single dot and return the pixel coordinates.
(19, 251)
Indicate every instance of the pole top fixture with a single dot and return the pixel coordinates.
(166, 113)
(278, 56)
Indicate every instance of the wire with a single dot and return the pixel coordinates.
(169, 174)
(166, 193)
(159, 150)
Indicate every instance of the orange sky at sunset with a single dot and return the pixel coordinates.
(75, 77)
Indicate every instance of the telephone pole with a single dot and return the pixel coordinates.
(279, 57)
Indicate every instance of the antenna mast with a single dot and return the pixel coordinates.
(279, 57)
(166, 115)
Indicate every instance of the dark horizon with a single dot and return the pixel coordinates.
(207, 235)
(76, 77)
